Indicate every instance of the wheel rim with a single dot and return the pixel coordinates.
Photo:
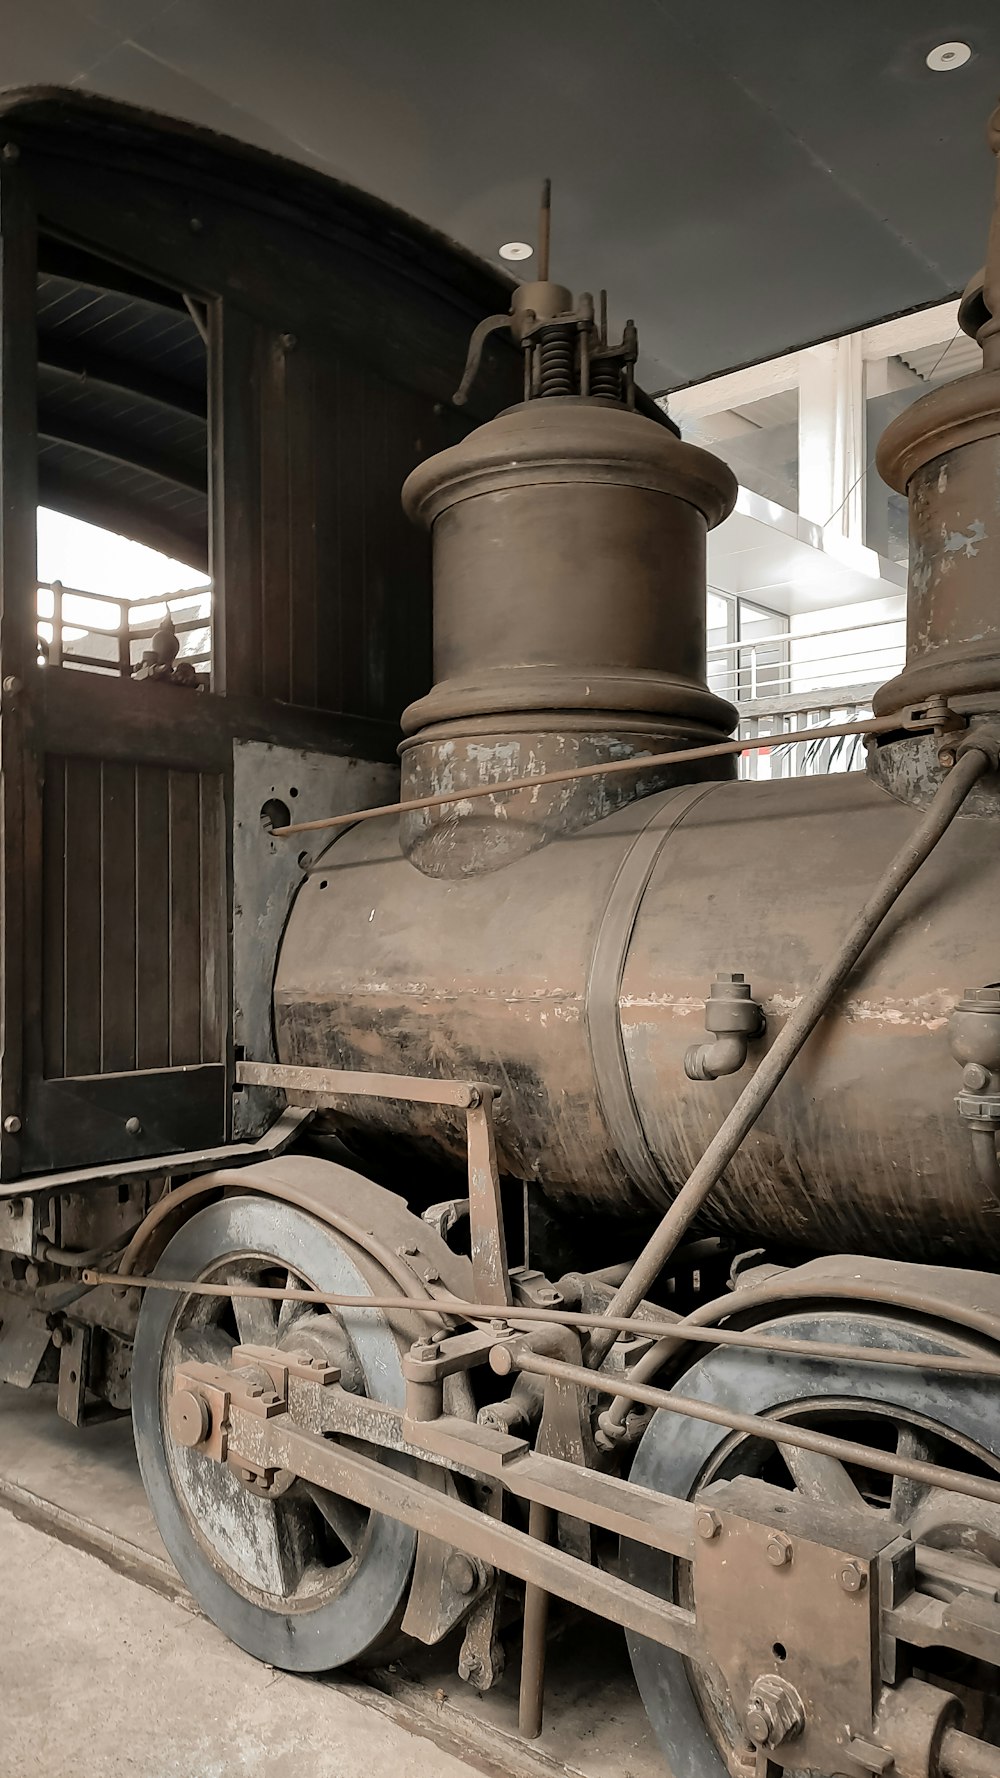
(948, 1419)
(299, 1577)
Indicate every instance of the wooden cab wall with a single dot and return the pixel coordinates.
(238, 361)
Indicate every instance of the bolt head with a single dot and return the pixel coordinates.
(708, 1523)
(461, 1573)
(975, 1078)
(425, 1350)
(779, 1549)
(852, 1577)
(757, 1726)
(58, 1338)
(189, 1417)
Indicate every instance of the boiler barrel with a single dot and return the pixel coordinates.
(575, 978)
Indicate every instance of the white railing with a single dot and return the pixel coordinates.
(782, 684)
(816, 661)
(104, 633)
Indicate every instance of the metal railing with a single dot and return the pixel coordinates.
(105, 633)
(787, 682)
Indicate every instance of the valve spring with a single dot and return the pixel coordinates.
(557, 361)
(606, 379)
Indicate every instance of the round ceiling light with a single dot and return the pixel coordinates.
(948, 56)
(516, 250)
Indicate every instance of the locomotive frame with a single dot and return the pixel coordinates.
(161, 1168)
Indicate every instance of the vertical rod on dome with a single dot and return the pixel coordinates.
(544, 230)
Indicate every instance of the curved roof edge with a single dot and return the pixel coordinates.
(325, 203)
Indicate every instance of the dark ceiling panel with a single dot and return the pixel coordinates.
(745, 178)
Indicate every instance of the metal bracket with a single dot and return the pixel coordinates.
(18, 1222)
(476, 1098)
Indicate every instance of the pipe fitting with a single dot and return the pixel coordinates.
(734, 1018)
(974, 1034)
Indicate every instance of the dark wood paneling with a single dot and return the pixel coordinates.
(19, 866)
(134, 910)
(152, 917)
(82, 1122)
(327, 585)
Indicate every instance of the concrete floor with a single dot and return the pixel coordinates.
(101, 1676)
(82, 1488)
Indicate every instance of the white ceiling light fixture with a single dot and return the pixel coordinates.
(948, 56)
(516, 250)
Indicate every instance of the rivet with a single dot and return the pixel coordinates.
(12, 1125)
(11, 152)
(133, 1126)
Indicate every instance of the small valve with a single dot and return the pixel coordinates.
(734, 1018)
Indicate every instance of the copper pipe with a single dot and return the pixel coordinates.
(786, 1291)
(780, 1432)
(798, 1027)
(669, 1331)
(874, 725)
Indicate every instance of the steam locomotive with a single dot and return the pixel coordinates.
(567, 1170)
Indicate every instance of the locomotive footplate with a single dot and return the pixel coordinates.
(800, 1611)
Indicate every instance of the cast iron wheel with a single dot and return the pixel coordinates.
(303, 1579)
(934, 1416)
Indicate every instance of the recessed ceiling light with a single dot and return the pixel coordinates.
(948, 56)
(516, 250)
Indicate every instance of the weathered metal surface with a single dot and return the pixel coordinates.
(269, 781)
(497, 972)
(569, 626)
(944, 454)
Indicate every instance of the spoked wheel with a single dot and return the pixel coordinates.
(299, 1577)
(948, 1419)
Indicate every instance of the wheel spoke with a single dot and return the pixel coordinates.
(907, 1494)
(256, 1320)
(346, 1519)
(289, 1312)
(822, 1478)
(202, 1344)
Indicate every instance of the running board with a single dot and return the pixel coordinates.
(274, 1142)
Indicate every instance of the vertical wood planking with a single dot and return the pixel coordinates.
(118, 916)
(307, 474)
(83, 971)
(54, 918)
(185, 919)
(152, 921)
(214, 920)
(277, 421)
(350, 420)
(134, 916)
(234, 394)
(322, 585)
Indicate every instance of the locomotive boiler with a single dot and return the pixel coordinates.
(609, 1205)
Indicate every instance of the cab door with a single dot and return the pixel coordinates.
(114, 844)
